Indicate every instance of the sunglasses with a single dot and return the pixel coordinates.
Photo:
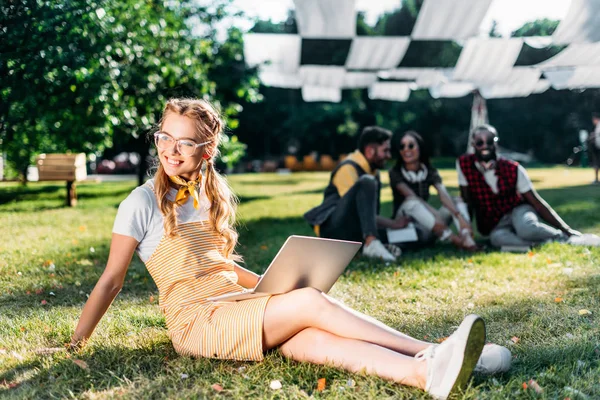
(490, 142)
(410, 146)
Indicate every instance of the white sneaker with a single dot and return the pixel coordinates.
(494, 359)
(376, 249)
(450, 364)
(393, 249)
(587, 239)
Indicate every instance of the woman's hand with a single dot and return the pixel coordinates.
(76, 344)
(464, 225)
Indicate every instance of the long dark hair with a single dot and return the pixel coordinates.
(423, 150)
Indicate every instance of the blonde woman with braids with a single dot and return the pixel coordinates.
(180, 225)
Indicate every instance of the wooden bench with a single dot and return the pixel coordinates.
(63, 167)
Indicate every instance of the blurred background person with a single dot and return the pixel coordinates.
(502, 197)
(410, 179)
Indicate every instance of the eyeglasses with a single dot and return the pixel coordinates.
(490, 142)
(410, 146)
(186, 148)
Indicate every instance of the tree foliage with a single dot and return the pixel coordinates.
(98, 74)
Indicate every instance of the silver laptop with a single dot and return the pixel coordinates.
(301, 262)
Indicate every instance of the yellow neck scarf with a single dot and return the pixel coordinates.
(186, 189)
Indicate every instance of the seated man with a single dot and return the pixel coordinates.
(350, 205)
(500, 193)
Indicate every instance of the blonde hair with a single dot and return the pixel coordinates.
(223, 202)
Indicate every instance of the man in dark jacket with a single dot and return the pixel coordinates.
(500, 194)
(351, 201)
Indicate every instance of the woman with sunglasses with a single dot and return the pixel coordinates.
(410, 179)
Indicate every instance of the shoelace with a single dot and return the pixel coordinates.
(425, 354)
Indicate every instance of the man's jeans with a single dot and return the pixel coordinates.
(522, 227)
(355, 215)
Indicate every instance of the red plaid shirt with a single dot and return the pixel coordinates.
(490, 207)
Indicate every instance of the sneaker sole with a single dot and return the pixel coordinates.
(475, 342)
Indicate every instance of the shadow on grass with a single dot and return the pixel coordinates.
(274, 182)
(250, 199)
(51, 197)
(27, 193)
(579, 206)
(107, 367)
(73, 279)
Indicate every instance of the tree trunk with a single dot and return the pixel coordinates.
(144, 152)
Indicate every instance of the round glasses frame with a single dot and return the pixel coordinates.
(187, 148)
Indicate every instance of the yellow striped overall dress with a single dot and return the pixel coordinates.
(187, 269)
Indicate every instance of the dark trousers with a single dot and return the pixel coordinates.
(355, 215)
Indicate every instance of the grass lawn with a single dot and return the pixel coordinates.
(51, 257)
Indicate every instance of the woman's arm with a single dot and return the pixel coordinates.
(404, 190)
(246, 278)
(107, 288)
(447, 202)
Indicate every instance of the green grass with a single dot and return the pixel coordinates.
(53, 255)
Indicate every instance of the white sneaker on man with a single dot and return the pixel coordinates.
(376, 249)
(450, 364)
(494, 359)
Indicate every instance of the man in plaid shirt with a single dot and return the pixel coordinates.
(500, 194)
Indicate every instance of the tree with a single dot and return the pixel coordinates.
(48, 78)
(100, 72)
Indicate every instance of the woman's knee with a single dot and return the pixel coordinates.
(311, 303)
(415, 209)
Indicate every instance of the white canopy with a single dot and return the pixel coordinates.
(521, 82)
(359, 80)
(485, 63)
(282, 51)
(375, 53)
(423, 77)
(541, 86)
(451, 90)
(322, 75)
(449, 19)
(487, 60)
(394, 91)
(273, 77)
(581, 25)
(574, 78)
(326, 18)
(575, 55)
(320, 93)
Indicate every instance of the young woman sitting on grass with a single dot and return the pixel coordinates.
(180, 225)
(410, 179)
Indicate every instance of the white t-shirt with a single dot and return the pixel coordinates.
(524, 184)
(140, 218)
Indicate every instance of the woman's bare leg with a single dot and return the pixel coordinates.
(320, 347)
(288, 314)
